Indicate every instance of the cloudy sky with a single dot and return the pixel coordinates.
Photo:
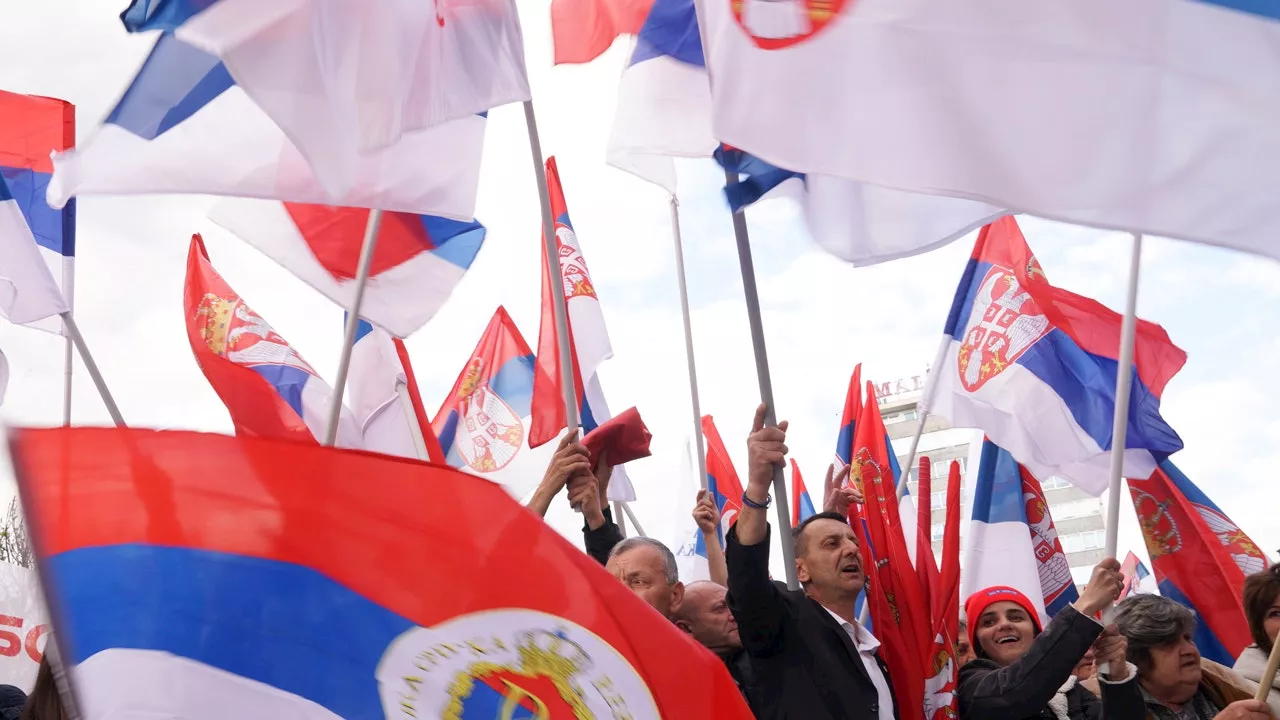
(821, 315)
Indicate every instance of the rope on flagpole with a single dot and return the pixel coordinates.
(73, 331)
(1124, 380)
(688, 343)
(780, 500)
(353, 322)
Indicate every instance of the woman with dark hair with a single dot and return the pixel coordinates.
(44, 703)
(1177, 684)
(1262, 611)
(1023, 673)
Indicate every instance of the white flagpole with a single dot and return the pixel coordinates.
(68, 356)
(353, 322)
(620, 518)
(411, 417)
(780, 500)
(74, 333)
(1124, 380)
(626, 508)
(554, 272)
(688, 343)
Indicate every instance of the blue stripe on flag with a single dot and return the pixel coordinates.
(175, 82)
(278, 623)
(1210, 647)
(513, 382)
(454, 241)
(143, 15)
(5, 195)
(287, 380)
(670, 30)
(53, 229)
(1264, 8)
(363, 327)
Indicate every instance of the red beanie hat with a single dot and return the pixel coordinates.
(985, 598)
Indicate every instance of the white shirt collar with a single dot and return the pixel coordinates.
(862, 637)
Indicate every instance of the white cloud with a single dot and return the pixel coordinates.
(820, 315)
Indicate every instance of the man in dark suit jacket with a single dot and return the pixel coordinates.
(810, 658)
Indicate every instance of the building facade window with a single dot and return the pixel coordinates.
(1082, 541)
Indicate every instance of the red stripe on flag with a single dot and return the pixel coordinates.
(32, 127)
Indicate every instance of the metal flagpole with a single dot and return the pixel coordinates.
(411, 417)
(766, 385)
(1124, 380)
(554, 273)
(68, 356)
(353, 322)
(620, 517)
(73, 331)
(926, 399)
(626, 508)
(688, 343)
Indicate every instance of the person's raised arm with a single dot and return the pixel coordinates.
(836, 497)
(590, 493)
(766, 451)
(707, 516)
(757, 604)
(569, 460)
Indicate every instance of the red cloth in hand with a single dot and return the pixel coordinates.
(622, 439)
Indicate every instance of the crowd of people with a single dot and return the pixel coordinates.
(803, 653)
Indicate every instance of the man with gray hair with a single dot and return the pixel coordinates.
(648, 568)
(1176, 683)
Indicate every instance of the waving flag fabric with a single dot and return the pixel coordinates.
(267, 387)
(485, 418)
(347, 81)
(801, 505)
(1112, 119)
(379, 393)
(1012, 539)
(664, 100)
(722, 482)
(31, 129)
(205, 576)
(28, 292)
(899, 605)
(185, 126)
(417, 261)
(1034, 366)
(1199, 557)
(588, 342)
(583, 29)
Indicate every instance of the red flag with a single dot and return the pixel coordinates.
(548, 390)
(940, 699)
(269, 390)
(1199, 557)
(926, 565)
(583, 29)
(899, 607)
(401, 572)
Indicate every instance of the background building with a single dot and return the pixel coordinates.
(1077, 515)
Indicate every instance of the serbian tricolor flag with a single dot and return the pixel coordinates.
(1012, 539)
(417, 259)
(484, 420)
(1199, 556)
(267, 387)
(206, 576)
(801, 505)
(1034, 367)
(1134, 572)
(186, 125)
(383, 396)
(583, 29)
(588, 342)
(722, 482)
(31, 129)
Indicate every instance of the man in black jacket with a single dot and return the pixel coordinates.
(809, 656)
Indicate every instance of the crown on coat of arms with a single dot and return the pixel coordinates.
(217, 312)
(471, 380)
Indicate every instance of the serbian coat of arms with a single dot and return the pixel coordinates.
(1004, 323)
(490, 431)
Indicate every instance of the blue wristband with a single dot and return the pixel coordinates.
(768, 500)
